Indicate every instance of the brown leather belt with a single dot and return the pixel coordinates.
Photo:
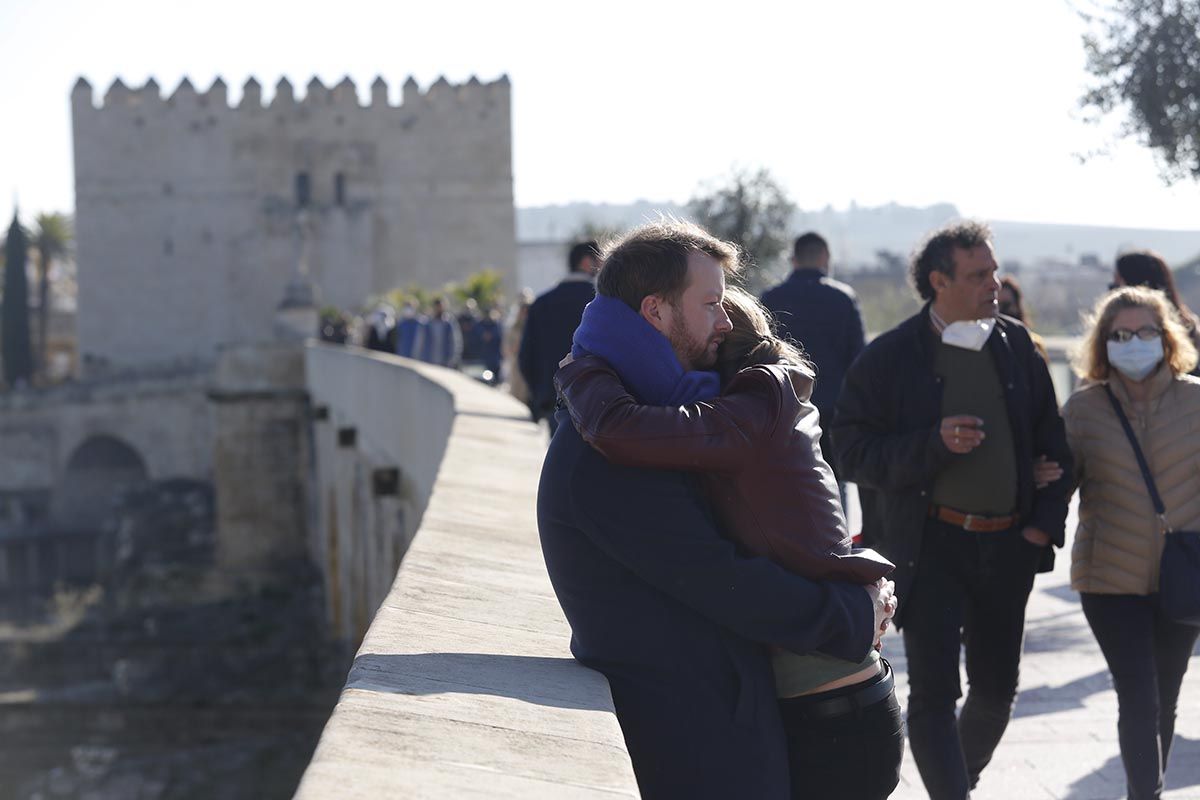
(976, 523)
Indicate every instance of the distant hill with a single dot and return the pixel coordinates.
(857, 233)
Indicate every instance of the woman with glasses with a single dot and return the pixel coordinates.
(1137, 352)
(1147, 268)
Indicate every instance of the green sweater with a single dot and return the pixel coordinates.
(984, 481)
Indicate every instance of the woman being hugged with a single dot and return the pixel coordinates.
(1137, 353)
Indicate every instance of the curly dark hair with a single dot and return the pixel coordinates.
(937, 252)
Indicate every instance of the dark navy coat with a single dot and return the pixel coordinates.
(822, 315)
(552, 321)
(676, 619)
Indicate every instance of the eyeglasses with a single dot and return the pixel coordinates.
(1145, 333)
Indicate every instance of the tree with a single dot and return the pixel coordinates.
(485, 287)
(751, 210)
(51, 239)
(1145, 58)
(14, 312)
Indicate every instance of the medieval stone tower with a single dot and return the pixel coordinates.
(192, 216)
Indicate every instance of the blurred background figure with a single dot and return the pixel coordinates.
(822, 316)
(408, 330)
(1010, 300)
(551, 324)
(441, 340)
(381, 329)
(517, 386)
(490, 336)
(1147, 268)
(468, 326)
(1136, 355)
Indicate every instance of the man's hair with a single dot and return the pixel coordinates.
(652, 259)
(809, 247)
(937, 252)
(581, 251)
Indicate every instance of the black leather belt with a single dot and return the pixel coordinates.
(872, 693)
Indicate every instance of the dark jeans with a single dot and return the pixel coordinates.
(1147, 655)
(970, 589)
(855, 756)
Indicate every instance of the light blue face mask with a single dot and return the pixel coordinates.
(1136, 358)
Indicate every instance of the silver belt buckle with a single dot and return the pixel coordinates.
(969, 522)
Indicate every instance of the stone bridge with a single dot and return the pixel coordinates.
(463, 685)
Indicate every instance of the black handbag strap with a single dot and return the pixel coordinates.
(1155, 498)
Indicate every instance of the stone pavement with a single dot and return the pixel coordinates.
(1062, 742)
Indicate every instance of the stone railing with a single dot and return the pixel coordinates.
(463, 685)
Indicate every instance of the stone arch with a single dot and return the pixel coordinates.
(98, 471)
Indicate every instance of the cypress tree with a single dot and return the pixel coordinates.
(14, 312)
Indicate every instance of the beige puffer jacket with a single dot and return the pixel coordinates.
(1118, 542)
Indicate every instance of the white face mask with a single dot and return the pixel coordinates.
(1136, 358)
(970, 334)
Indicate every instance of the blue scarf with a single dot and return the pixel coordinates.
(641, 355)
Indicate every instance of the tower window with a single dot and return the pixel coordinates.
(339, 189)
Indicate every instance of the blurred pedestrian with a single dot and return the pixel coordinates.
(408, 331)
(822, 316)
(490, 337)
(1135, 357)
(552, 321)
(381, 329)
(1011, 301)
(441, 341)
(468, 324)
(517, 386)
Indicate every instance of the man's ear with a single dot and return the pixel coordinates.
(654, 311)
(938, 280)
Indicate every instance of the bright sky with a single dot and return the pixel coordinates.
(872, 101)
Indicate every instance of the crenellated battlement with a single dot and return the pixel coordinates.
(198, 190)
(343, 95)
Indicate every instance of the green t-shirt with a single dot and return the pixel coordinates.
(795, 675)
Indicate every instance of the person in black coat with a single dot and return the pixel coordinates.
(672, 614)
(944, 416)
(552, 321)
(822, 316)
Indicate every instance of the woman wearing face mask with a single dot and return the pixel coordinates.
(1139, 352)
(1147, 268)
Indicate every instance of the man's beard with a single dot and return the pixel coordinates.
(692, 354)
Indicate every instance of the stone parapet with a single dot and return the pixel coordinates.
(463, 685)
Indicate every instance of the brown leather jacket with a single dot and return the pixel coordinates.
(757, 446)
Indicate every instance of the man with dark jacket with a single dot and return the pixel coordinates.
(821, 315)
(552, 321)
(658, 601)
(944, 415)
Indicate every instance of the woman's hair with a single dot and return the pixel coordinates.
(1010, 283)
(1147, 268)
(752, 340)
(1091, 363)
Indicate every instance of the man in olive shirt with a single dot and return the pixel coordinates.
(944, 415)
